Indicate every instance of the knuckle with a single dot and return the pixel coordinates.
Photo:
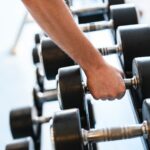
(95, 95)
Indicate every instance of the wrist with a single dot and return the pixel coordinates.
(97, 62)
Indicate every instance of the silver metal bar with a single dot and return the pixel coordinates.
(97, 26)
(133, 82)
(110, 50)
(41, 119)
(116, 133)
(50, 95)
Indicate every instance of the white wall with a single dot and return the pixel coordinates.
(11, 16)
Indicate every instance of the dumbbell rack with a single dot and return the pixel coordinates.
(120, 112)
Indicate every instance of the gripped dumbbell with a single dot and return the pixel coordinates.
(67, 124)
(124, 14)
(99, 7)
(23, 144)
(71, 89)
(132, 42)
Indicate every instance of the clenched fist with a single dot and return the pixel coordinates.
(106, 82)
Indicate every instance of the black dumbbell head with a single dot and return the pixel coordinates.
(39, 78)
(91, 113)
(115, 2)
(66, 130)
(146, 110)
(37, 38)
(71, 91)
(141, 69)
(37, 103)
(134, 40)
(23, 144)
(35, 55)
(53, 58)
(21, 123)
(123, 14)
(89, 17)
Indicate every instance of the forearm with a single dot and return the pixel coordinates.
(56, 20)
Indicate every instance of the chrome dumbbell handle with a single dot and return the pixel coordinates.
(41, 119)
(102, 6)
(132, 82)
(49, 95)
(110, 50)
(116, 133)
(96, 26)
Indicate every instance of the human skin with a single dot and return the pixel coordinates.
(54, 17)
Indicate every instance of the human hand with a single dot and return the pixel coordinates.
(106, 82)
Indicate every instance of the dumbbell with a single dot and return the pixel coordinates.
(67, 124)
(23, 144)
(51, 95)
(71, 89)
(132, 41)
(24, 121)
(85, 106)
(123, 14)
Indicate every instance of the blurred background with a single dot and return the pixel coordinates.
(17, 31)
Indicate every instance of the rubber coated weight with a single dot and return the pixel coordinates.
(90, 17)
(141, 69)
(146, 112)
(66, 130)
(120, 15)
(37, 38)
(146, 109)
(36, 101)
(40, 79)
(134, 41)
(53, 60)
(71, 92)
(35, 55)
(91, 113)
(115, 2)
(21, 123)
(23, 144)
